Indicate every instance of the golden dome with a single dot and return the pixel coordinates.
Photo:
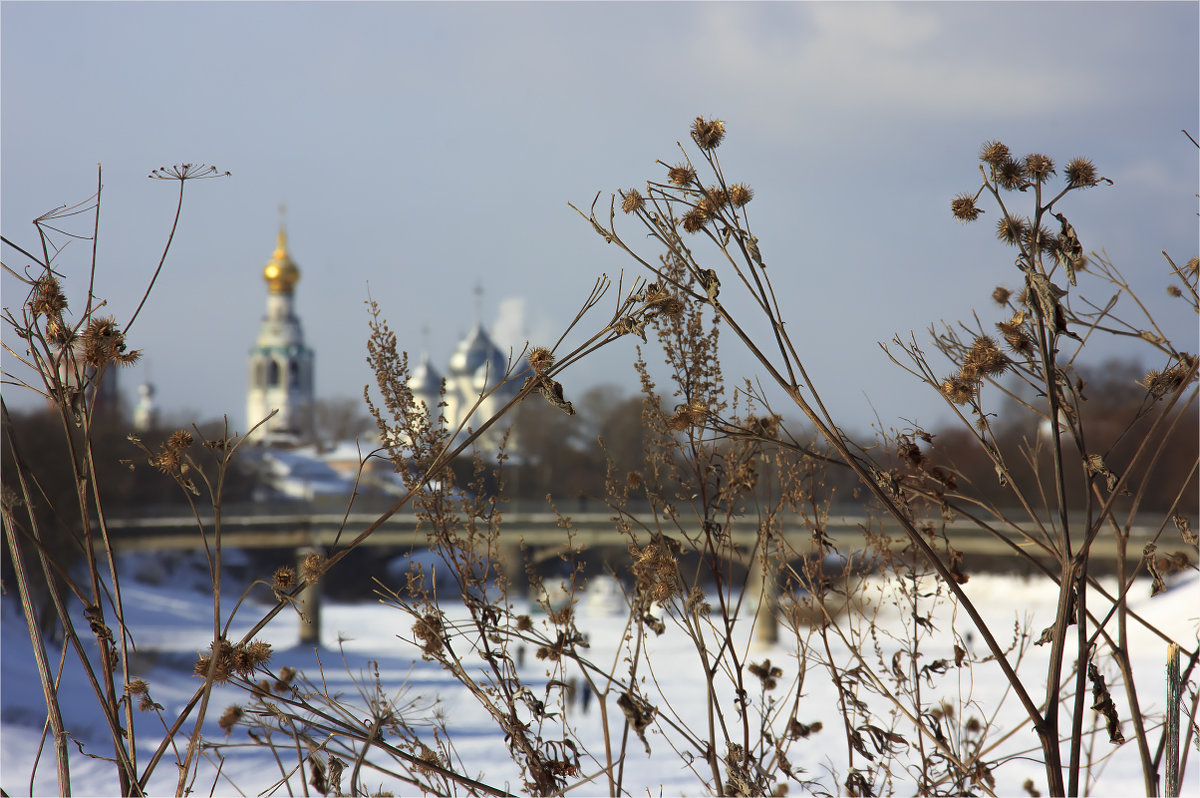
(281, 273)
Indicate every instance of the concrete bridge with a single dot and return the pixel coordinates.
(285, 526)
(538, 535)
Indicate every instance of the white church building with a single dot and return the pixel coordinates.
(281, 370)
(476, 367)
(281, 365)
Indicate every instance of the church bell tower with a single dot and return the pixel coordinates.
(281, 366)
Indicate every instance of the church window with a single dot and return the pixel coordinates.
(272, 373)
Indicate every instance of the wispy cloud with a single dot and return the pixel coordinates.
(937, 60)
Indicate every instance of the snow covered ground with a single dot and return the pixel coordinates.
(173, 621)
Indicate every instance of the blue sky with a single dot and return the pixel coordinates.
(422, 148)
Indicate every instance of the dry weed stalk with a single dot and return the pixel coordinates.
(716, 462)
(688, 211)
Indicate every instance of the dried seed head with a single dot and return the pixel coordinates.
(1011, 175)
(284, 682)
(740, 194)
(314, 566)
(714, 199)
(104, 343)
(656, 568)
(959, 389)
(910, 452)
(632, 201)
(230, 718)
(429, 630)
(1011, 231)
(767, 673)
(1039, 167)
(179, 440)
(681, 175)
(1014, 334)
(166, 460)
(48, 298)
(1000, 295)
(764, 427)
(653, 294)
(224, 663)
(985, 358)
(964, 209)
(1044, 241)
(541, 359)
(672, 307)
(707, 133)
(284, 578)
(1080, 173)
(1173, 290)
(994, 153)
(693, 221)
(797, 730)
(1163, 383)
(687, 416)
(59, 333)
(245, 658)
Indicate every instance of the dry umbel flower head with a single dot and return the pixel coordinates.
(632, 201)
(187, 171)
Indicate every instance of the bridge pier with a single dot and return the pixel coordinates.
(308, 602)
(763, 585)
(512, 567)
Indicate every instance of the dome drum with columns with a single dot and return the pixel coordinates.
(281, 365)
(476, 367)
